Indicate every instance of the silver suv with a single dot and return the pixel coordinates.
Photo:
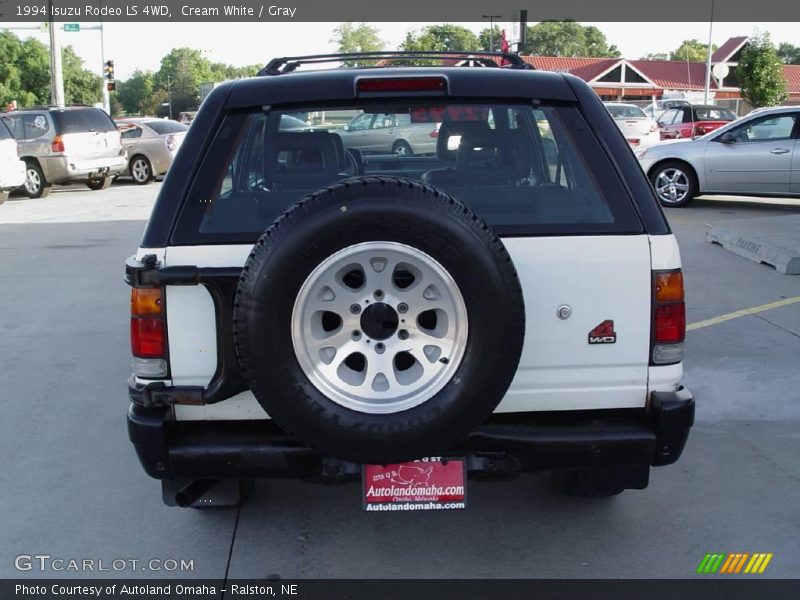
(66, 145)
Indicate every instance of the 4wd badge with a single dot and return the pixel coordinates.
(603, 333)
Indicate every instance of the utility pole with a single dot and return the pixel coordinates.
(103, 81)
(56, 73)
(708, 59)
(491, 29)
(169, 95)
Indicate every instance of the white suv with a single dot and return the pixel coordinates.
(513, 302)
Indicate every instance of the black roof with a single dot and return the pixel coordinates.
(340, 84)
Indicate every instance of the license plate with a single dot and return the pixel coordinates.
(425, 484)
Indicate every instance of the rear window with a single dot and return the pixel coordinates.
(82, 120)
(524, 169)
(626, 112)
(706, 113)
(165, 126)
(27, 126)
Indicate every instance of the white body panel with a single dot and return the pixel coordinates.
(598, 277)
(12, 169)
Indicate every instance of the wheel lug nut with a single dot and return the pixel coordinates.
(402, 334)
(355, 309)
(378, 294)
(402, 308)
(356, 335)
(379, 348)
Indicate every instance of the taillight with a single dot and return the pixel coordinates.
(434, 134)
(172, 143)
(669, 318)
(653, 128)
(58, 144)
(148, 332)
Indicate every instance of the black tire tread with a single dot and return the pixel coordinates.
(303, 208)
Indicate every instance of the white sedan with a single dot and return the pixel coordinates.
(639, 129)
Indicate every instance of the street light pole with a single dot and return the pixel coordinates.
(103, 80)
(56, 72)
(708, 58)
(491, 29)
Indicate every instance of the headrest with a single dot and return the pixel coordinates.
(512, 153)
(307, 150)
(449, 129)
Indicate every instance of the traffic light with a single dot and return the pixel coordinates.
(111, 86)
(109, 70)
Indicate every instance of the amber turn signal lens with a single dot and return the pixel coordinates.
(146, 301)
(669, 287)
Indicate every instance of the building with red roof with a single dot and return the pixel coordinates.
(642, 80)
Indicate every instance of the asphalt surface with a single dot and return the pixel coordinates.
(73, 488)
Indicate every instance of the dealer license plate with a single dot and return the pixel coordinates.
(425, 484)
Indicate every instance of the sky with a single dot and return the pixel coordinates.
(140, 46)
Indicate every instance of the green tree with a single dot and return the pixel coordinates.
(483, 39)
(656, 56)
(691, 50)
(25, 73)
(361, 37)
(568, 38)
(181, 73)
(441, 38)
(760, 72)
(80, 86)
(134, 94)
(789, 54)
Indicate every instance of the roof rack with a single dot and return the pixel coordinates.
(287, 64)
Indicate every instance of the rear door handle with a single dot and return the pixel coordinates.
(779, 151)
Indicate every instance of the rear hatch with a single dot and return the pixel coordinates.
(537, 175)
(86, 133)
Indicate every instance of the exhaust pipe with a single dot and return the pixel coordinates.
(193, 491)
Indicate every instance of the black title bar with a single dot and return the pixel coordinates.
(242, 11)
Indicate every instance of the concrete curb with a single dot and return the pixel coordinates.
(771, 240)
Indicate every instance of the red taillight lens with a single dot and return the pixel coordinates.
(653, 128)
(670, 323)
(58, 144)
(148, 337)
(401, 84)
(148, 328)
(434, 134)
(669, 318)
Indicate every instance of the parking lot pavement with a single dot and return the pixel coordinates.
(73, 487)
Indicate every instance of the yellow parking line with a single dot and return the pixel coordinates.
(742, 313)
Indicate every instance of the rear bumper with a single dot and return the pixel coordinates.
(505, 444)
(62, 169)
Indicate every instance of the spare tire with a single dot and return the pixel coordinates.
(379, 320)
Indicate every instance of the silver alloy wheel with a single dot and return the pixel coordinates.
(379, 327)
(672, 185)
(140, 169)
(402, 149)
(33, 182)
